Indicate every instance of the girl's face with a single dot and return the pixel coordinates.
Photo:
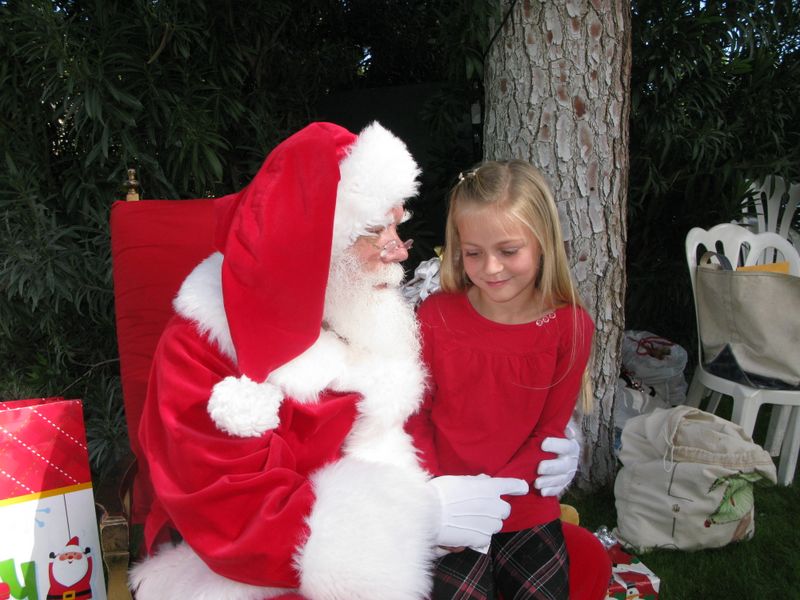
(501, 258)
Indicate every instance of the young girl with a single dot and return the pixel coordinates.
(507, 343)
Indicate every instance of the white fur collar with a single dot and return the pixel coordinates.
(200, 300)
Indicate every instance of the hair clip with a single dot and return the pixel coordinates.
(467, 175)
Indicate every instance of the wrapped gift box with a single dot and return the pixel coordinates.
(630, 578)
(49, 544)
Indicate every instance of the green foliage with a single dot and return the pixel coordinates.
(715, 88)
(398, 40)
(106, 431)
(462, 41)
(193, 94)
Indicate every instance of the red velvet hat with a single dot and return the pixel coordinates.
(315, 194)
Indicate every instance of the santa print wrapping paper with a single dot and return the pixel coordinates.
(630, 579)
(49, 545)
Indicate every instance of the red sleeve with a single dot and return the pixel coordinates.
(572, 358)
(419, 425)
(240, 503)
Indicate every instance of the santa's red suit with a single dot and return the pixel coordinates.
(80, 590)
(274, 449)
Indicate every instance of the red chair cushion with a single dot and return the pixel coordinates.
(154, 245)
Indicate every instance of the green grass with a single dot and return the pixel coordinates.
(767, 566)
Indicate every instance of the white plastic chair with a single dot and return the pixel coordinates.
(765, 203)
(744, 248)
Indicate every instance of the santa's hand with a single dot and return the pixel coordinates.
(472, 510)
(556, 474)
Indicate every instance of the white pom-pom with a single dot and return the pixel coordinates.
(243, 408)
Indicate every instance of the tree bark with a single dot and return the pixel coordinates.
(557, 86)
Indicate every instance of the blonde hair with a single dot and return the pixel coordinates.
(520, 192)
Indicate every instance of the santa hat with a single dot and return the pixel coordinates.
(73, 544)
(316, 193)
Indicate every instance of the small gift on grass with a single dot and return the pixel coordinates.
(49, 545)
(630, 578)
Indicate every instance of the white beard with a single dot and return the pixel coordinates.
(368, 310)
(383, 358)
(69, 573)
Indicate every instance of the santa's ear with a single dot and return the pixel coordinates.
(52, 555)
(87, 550)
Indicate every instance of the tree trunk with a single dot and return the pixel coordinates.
(558, 94)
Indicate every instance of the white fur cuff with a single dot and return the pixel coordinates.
(372, 533)
(177, 572)
(243, 408)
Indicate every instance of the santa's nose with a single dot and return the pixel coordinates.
(396, 250)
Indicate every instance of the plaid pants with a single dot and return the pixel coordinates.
(531, 563)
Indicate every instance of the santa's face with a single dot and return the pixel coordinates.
(69, 567)
(383, 246)
(366, 306)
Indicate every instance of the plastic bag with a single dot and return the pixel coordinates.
(658, 363)
(631, 400)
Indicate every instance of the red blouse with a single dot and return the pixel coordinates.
(496, 392)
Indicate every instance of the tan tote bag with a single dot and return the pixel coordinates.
(755, 314)
(687, 481)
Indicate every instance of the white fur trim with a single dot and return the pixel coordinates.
(377, 175)
(372, 443)
(391, 390)
(200, 300)
(177, 572)
(243, 408)
(304, 377)
(372, 533)
(392, 386)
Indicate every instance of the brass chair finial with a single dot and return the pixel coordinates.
(133, 186)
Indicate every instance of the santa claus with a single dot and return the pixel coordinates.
(70, 572)
(273, 427)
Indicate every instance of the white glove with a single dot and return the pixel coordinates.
(472, 510)
(555, 475)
